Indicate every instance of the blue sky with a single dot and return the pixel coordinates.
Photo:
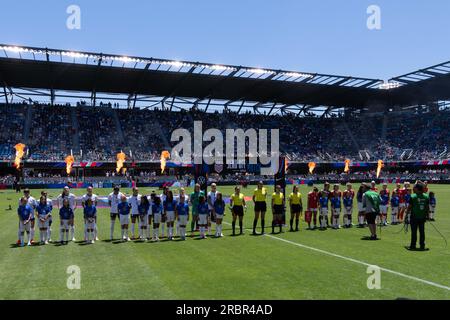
(328, 36)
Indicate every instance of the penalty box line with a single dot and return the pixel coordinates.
(437, 285)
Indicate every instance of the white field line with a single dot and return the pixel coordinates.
(437, 285)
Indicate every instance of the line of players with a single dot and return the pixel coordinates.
(398, 201)
(165, 209)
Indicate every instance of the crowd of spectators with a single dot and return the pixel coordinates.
(99, 133)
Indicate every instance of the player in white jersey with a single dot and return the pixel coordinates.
(211, 199)
(134, 200)
(114, 199)
(72, 204)
(94, 198)
(33, 204)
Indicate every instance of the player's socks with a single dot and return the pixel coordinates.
(67, 235)
(262, 225)
(345, 220)
(61, 234)
(162, 230)
(32, 234)
(291, 222)
(72, 232)
(233, 226)
(192, 225)
(170, 232)
(240, 227)
(132, 229)
(296, 224)
(273, 226)
(49, 234)
(255, 222)
(111, 229)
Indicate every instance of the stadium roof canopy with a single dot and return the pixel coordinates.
(59, 75)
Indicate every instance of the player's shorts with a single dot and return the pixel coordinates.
(278, 209)
(219, 216)
(124, 219)
(24, 227)
(383, 209)
(348, 211)
(402, 205)
(202, 219)
(65, 223)
(336, 212)
(182, 220)
(371, 217)
(157, 218)
(394, 210)
(360, 206)
(143, 221)
(313, 210)
(432, 208)
(238, 210)
(323, 211)
(170, 216)
(296, 208)
(43, 224)
(113, 215)
(90, 223)
(260, 206)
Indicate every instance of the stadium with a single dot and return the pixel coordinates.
(77, 120)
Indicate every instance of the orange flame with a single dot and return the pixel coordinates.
(379, 167)
(164, 156)
(20, 147)
(69, 163)
(347, 166)
(120, 160)
(311, 166)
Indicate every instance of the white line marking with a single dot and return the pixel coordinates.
(356, 261)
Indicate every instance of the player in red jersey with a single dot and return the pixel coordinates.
(373, 186)
(347, 197)
(384, 205)
(425, 188)
(402, 195)
(313, 203)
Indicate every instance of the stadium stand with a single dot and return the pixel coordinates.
(54, 132)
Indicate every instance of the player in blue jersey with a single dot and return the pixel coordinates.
(157, 211)
(395, 204)
(169, 205)
(203, 213)
(323, 207)
(336, 204)
(124, 209)
(90, 216)
(143, 209)
(347, 201)
(43, 210)
(25, 213)
(182, 216)
(219, 211)
(384, 204)
(432, 205)
(65, 216)
(50, 217)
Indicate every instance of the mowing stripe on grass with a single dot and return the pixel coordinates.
(437, 285)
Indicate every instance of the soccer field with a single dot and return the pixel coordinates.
(329, 264)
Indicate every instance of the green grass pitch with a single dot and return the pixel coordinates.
(241, 267)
